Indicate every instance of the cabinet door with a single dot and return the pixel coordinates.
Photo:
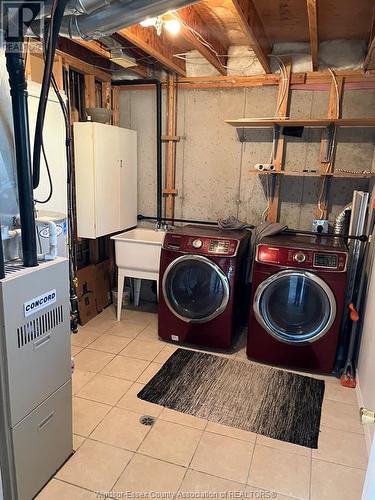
(84, 179)
(128, 178)
(107, 179)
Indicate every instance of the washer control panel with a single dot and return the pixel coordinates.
(326, 260)
(302, 258)
(201, 245)
(219, 246)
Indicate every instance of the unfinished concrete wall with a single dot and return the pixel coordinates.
(214, 160)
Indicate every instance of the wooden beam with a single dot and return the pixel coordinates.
(81, 59)
(312, 12)
(90, 97)
(115, 106)
(94, 46)
(170, 161)
(191, 19)
(251, 24)
(316, 80)
(106, 95)
(159, 47)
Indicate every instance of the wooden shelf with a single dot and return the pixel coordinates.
(291, 122)
(292, 173)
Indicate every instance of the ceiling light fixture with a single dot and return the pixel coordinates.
(173, 26)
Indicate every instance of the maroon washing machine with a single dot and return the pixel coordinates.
(297, 301)
(203, 285)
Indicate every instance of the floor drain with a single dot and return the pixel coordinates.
(147, 420)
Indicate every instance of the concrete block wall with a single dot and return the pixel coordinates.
(214, 160)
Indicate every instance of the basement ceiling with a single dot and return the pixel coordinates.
(211, 26)
(287, 21)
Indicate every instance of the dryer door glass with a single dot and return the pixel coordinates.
(295, 306)
(195, 288)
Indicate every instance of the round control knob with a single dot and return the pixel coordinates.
(197, 244)
(299, 257)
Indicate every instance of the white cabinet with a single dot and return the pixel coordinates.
(106, 178)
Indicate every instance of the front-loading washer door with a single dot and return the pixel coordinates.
(295, 307)
(195, 288)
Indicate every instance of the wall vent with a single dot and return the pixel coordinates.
(39, 326)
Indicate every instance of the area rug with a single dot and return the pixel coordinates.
(256, 398)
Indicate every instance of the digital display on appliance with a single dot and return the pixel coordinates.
(217, 246)
(325, 260)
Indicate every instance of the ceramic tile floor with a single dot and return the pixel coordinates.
(182, 453)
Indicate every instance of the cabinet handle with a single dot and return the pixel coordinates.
(121, 165)
(45, 421)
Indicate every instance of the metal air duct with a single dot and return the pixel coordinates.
(110, 18)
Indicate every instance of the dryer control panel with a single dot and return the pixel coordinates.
(302, 258)
(201, 245)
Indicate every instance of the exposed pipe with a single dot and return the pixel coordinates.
(76, 7)
(16, 70)
(186, 221)
(361, 237)
(46, 82)
(159, 152)
(123, 13)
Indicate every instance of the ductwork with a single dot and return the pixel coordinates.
(342, 220)
(76, 7)
(107, 19)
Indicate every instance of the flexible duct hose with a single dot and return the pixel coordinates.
(342, 220)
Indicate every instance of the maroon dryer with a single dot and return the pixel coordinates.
(202, 285)
(298, 294)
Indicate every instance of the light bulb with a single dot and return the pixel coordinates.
(147, 23)
(173, 26)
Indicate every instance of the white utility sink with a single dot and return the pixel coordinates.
(137, 255)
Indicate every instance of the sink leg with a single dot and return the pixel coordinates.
(120, 290)
(137, 290)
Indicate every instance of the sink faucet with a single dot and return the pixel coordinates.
(161, 226)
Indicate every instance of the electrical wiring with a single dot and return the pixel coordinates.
(267, 198)
(284, 73)
(337, 91)
(199, 62)
(49, 178)
(200, 38)
(332, 145)
(57, 12)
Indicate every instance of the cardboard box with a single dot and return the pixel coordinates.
(86, 294)
(103, 285)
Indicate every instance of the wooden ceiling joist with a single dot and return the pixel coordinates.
(251, 24)
(159, 47)
(312, 11)
(194, 31)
